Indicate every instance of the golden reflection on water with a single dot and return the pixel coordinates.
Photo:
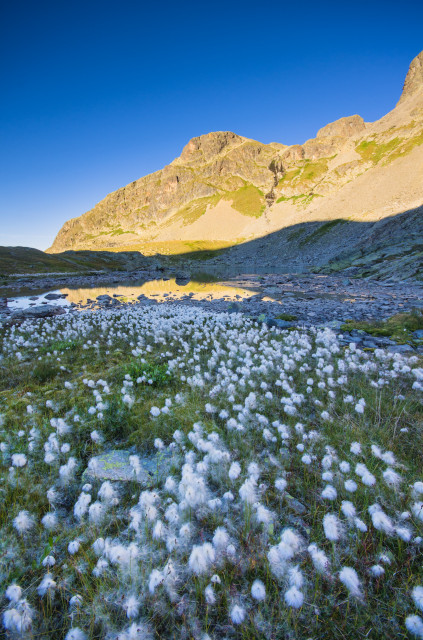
(162, 290)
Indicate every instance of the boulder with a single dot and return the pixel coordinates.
(44, 311)
(400, 348)
(104, 298)
(53, 296)
(114, 465)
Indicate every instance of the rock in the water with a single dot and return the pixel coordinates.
(44, 311)
(114, 465)
(104, 298)
(182, 279)
(53, 296)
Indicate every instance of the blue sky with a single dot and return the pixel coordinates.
(96, 95)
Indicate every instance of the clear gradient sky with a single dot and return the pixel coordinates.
(97, 94)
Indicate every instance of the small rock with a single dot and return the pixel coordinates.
(418, 334)
(369, 344)
(114, 465)
(277, 322)
(234, 307)
(295, 505)
(182, 279)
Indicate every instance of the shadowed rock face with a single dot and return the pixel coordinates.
(414, 78)
(225, 187)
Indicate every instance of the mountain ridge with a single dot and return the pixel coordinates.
(228, 188)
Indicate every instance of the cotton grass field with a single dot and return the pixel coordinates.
(286, 502)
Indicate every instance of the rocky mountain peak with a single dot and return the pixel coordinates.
(204, 148)
(414, 78)
(344, 127)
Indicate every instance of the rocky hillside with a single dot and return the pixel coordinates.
(27, 260)
(227, 189)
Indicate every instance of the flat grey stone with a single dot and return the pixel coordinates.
(400, 348)
(418, 334)
(44, 311)
(114, 465)
(369, 344)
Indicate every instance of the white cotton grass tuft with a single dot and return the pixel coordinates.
(319, 558)
(209, 595)
(348, 509)
(46, 586)
(258, 590)
(355, 448)
(156, 578)
(19, 460)
(238, 614)
(75, 634)
(414, 625)
(280, 484)
(294, 597)
(202, 556)
(349, 578)
(13, 593)
(329, 493)
(417, 595)
(23, 522)
(377, 570)
(381, 521)
(75, 601)
(131, 605)
(220, 538)
(49, 561)
(81, 505)
(19, 618)
(74, 546)
(350, 485)
(332, 527)
(234, 471)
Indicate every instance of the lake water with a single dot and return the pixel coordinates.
(159, 290)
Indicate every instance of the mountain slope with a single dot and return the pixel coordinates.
(225, 188)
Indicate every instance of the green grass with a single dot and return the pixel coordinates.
(248, 200)
(287, 316)
(398, 327)
(103, 349)
(372, 151)
(193, 211)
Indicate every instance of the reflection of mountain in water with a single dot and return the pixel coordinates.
(161, 290)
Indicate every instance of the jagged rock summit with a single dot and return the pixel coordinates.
(414, 78)
(226, 189)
